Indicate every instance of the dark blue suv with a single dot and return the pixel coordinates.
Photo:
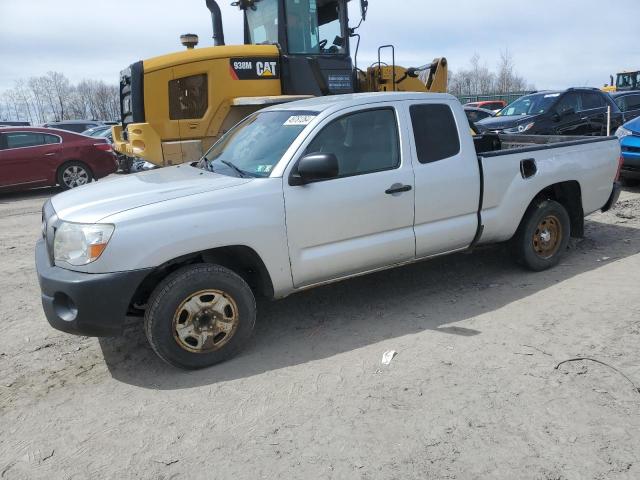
(576, 111)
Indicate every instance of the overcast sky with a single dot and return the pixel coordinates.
(555, 43)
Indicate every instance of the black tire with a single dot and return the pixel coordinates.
(168, 301)
(80, 173)
(528, 246)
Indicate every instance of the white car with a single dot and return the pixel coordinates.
(299, 195)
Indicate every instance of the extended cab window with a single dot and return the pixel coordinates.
(435, 132)
(188, 97)
(24, 139)
(363, 142)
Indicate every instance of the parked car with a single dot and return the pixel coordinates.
(628, 103)
(99, 131)
(476, 114)
(303, 194)
(14, 124)
(77, 126)
(493, 105)
(629, 135)
(576, 111)
(37, 157)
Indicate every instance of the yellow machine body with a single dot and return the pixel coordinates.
(164, 141)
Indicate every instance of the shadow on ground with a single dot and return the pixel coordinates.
(44, 193)
(352, 314)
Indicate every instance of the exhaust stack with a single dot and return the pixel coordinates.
(216, 20)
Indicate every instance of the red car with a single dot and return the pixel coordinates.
(39, 157)
(493, 105)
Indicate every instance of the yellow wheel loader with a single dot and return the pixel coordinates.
(624, 81)
(174, 107)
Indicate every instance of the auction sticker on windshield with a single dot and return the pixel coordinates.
(296, 120)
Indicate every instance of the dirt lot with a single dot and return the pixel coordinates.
(472, 393)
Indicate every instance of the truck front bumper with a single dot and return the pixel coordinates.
(92, 304)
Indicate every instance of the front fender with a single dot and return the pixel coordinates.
(251, 215)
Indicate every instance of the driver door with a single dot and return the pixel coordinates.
(361, 220)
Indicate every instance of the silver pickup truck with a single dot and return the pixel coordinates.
(300, 195)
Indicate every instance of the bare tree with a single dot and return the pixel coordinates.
(479, 80)
(52, 98)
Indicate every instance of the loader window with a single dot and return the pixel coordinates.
(315, 27)
(262, 20)
(435, 132)
(188, 97)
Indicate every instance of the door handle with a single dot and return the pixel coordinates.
(49, 154)
(193, 126)
(397, 188)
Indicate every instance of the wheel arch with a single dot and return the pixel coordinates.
(569, 195)
(240, 259)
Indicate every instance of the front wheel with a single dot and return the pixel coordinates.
(543, 236)
(200, 315)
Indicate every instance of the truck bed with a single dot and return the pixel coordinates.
(516, 168)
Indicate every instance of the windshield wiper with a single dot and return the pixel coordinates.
(239, 171)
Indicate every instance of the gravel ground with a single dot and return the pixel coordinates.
(473, 392)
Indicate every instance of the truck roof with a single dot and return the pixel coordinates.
(338, 102)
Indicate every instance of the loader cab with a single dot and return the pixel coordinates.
(313, 38)
(628, 81)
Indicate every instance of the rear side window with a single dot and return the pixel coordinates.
(188, 97)
(628, 102)
(50, 138)
(591, 100)
(435, 132)
(24, 139)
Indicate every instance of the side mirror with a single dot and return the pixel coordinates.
(314, 167)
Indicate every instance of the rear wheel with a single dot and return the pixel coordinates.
(543, 236)
(200, 315)
(74, 174)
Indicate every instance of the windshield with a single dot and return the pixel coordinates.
(530, 105)
(253, 147)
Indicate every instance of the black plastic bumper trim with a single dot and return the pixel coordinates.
(91, 304)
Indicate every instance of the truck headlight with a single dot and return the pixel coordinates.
(79, 244)
(622, 132)
(520, 128)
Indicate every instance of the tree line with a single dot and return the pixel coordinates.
(479, 80)
(52, 97)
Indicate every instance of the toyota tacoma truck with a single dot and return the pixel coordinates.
(300, 195)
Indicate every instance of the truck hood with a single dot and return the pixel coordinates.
(93, 202)
(500, 123)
